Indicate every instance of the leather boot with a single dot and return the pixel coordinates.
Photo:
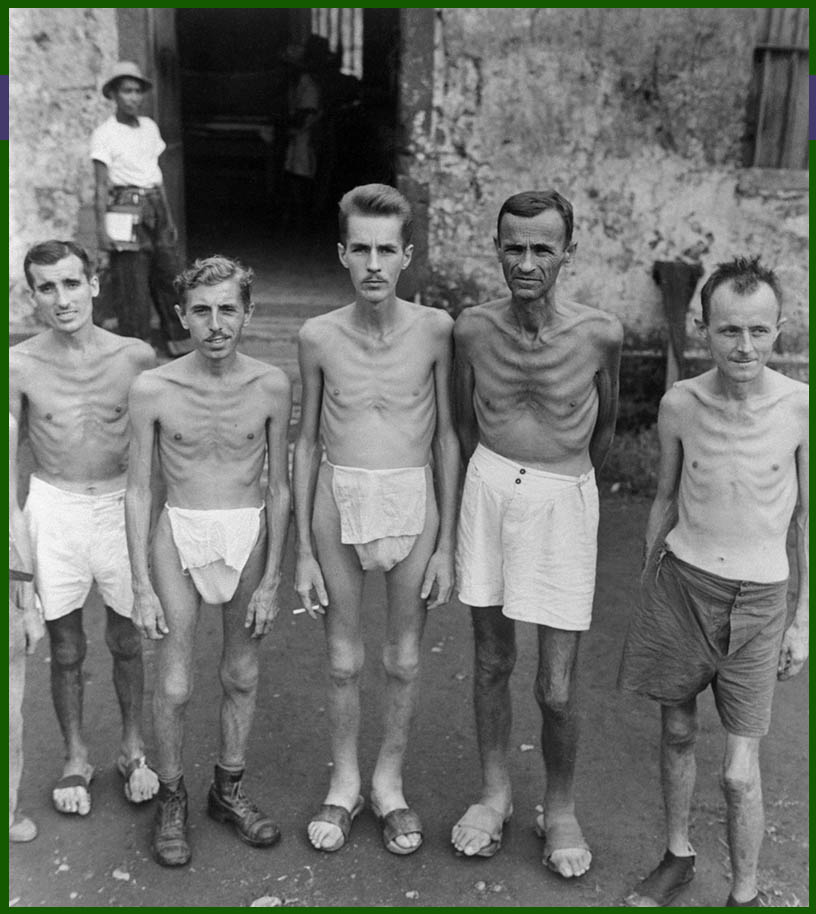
(169, 843)
(227, 802)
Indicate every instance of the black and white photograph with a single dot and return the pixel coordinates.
(408, 457)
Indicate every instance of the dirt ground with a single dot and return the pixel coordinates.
(103, 859)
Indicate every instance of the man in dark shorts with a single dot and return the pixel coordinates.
(734, 462)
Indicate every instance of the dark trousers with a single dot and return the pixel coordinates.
(139, 280)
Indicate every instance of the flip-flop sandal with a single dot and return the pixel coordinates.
(559, 838)
(396, 823)
(73, 780)
(340, 817)
(488, 821)
(126, 769)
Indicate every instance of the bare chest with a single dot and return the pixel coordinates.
(361, 375)
(552, 376)
(722, 449)
(213, 424)
(89, 401)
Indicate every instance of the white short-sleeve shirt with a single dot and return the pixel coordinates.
(131, 153)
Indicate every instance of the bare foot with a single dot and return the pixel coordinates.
(323, 832)
(71, 794)
(141, 782)
(479, 831)
(329, 829)
(386, 801)
(22, 830)
(566, 851)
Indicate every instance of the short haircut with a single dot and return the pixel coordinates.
(745, 274)
(375, 200)
(209, 271)
(51, 252)
(530, 203)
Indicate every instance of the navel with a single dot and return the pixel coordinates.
(251, 435)
(775, 466)
(49, 416)
(177, 436)
(694, 464)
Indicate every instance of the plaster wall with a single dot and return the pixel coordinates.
(58, 58)
(637, 116)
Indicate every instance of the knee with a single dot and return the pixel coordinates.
(679, 732)
(239, 677)
(174, 690)
(553, 698)
(123, 639)
(739, 777)
(494, 663)
(68, 646)
(345, 664)
(401, 665)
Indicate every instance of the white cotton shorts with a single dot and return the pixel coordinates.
(528, 542)
(78, 539)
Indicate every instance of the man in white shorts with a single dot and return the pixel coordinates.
(210, 420)
(535, 392)
(68, 390)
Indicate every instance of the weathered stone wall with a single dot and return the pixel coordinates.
(58, 59)
(637, 116)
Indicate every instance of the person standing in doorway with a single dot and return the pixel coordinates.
(134, 225)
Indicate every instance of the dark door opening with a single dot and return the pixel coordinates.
(239, 77)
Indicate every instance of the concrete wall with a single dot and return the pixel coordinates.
(58, 59)
(637, 116)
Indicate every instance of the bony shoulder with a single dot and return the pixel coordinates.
(140, 351)
(608, 325)
(271, 377)
(474, 316)
(316, 329)
(437, 318)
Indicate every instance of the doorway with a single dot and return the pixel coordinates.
(239, 75)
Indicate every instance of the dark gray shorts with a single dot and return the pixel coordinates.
(695, 628)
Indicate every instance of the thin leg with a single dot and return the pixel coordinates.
(495, 658)
(68, 648)
(344, 644)
(678, 771)
(17, 664)
(567, 852)
(239, 663)
(742, 786)
(174, 668)
(406, 614)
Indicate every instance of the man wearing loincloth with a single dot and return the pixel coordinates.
(536, 389)
(376, 397)
(68, 391)
(733, 472)
(211, 418)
